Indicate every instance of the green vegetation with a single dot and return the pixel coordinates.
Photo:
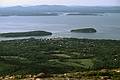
(85, 30)
(24, 34)
(59, 55)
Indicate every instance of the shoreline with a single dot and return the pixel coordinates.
(50, 37)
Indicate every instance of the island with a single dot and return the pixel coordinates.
(25, 34)
(84, 14)
(85, 30)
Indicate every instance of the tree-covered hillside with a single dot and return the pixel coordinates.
(33, 56)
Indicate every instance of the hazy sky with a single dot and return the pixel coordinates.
(60, 2)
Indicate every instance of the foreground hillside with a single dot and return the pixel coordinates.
(58, 56)
(104, 74)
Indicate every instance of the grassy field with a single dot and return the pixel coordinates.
(86, 63)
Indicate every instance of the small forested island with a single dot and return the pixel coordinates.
(25, 34)
(84, 30)
(84, 14)
(60, 59)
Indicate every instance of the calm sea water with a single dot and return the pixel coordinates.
(107, 26)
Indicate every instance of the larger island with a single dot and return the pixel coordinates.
(25, 34)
